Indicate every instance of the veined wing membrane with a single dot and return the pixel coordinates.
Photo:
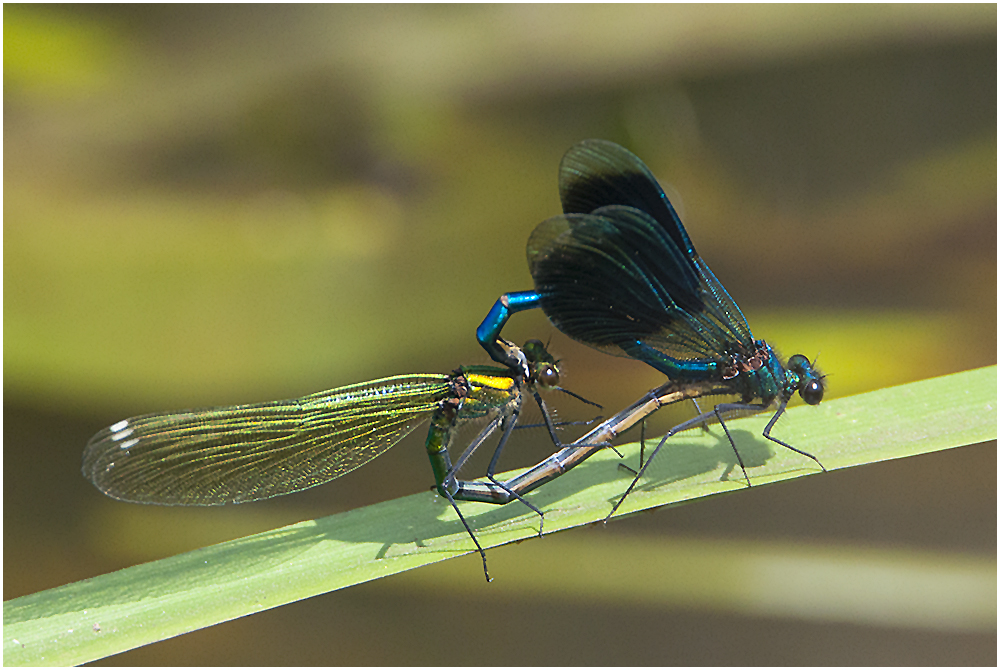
(251, 452)
(616, 276)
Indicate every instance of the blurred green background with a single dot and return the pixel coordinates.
(216, 205)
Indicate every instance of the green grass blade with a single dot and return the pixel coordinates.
(109, 614)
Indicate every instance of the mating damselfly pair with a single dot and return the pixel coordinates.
(616, 271)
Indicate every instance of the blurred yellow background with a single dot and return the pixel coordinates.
(217, 205)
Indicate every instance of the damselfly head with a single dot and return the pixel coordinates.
(542, 365)
(810, 380)
(544, 369)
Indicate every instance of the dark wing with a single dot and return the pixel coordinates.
(597, 173)
(616, 278)
(251, 452)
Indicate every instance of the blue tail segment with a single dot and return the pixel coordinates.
(488, 332)
(673, 368)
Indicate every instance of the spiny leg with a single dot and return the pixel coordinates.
(468, 529)
(642, 450)
(767, 434)
(676, 429)
(739, 459)
(510, 422)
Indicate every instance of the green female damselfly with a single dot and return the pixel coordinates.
(252, 452)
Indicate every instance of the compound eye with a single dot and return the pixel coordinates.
(547, 376)
(812, 392)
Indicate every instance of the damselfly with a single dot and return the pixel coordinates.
(253, 452)
(617, 271)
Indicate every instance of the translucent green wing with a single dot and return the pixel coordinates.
(251, 452)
